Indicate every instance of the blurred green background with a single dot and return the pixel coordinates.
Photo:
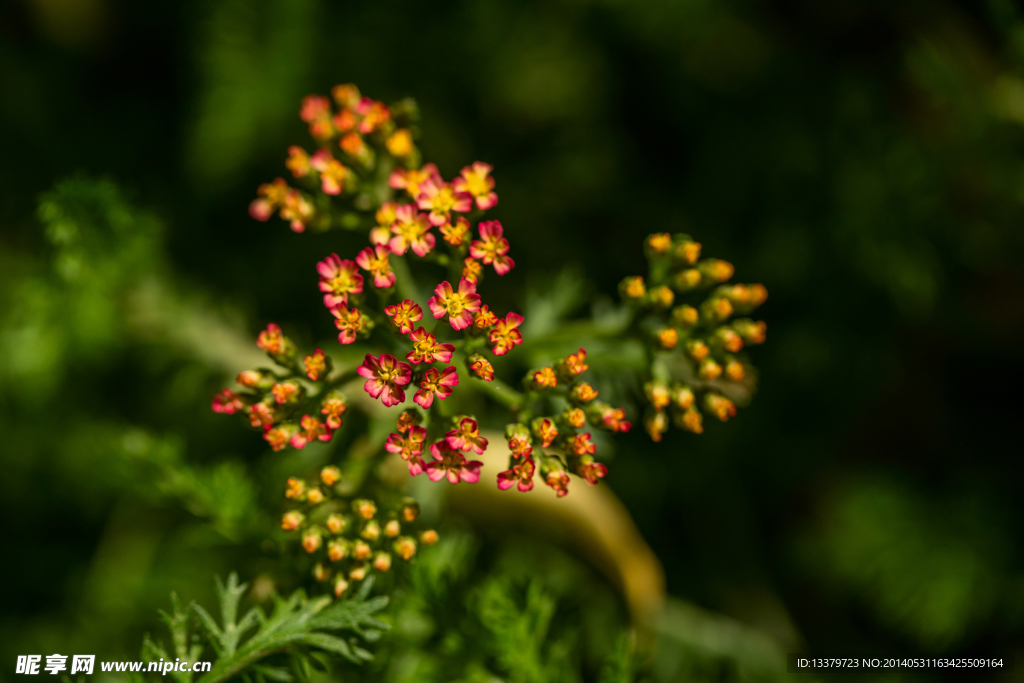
(864, 160)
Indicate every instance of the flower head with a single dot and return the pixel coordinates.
(555, 475)
(467, 436)
(505, 336)
(471, 269)
(425, 349)
(521, 474)
(404, 314)
(459, 306)
(332, 172)
(435, 382)
(484, 318)
(440, 199)
(481, 367)
(492, 248)
(350, 322)
(520, 447)
(227, 402)
(477, 182)
(545, 430)
(310, 428)
(278, 347)
(449, 462)
(316, 365)
(278, 437)
(297, 209)
(411, 230)
(457, 234)
(270, 197)
(385, 375)
(583, 393)
(376, 262)
(545, 378)
(582, 445)
(298, 161)
(287, 392)
(409, 448)
(333, 407)
(588, 468)
(338, 278)
(410, 180)
(261, 415)
(615, 419)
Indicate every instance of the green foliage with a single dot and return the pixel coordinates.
(297, 626)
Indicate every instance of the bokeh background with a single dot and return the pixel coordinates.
(864, 160)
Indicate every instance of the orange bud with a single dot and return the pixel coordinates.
(662, 297)
(687, 252)
(392, 528)
(659, 242)
(656, 424)
(292, 520)
(720, 406)
(358, 572)
(315, 496)
(657, 394)
(400, 143)
(697, 349)
(337, 550)
(364, 508)
(716, 270)
(296, 489)
(685, 280)
(340, 585)
(311, 540)
(668, 338)
(371, 530)
(684, 316)
(361, 550)
(709, 369)
(405, 547)
(330, 475)
(691, 420)
(428, 537)
(320, 572)
(335, 524)
(682, 397)
(734, 370)
(633, 288)
(382, 562)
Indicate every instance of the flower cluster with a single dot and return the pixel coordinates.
(348, 537)
(689, 318)
(550, 426)
(447, 454)
(278, 402)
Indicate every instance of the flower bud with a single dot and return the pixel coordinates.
(364, 508)
(410, 510)
(553, 471)
(257, 380)
(428, 537)
(358, 572)
(658, 244)
(572, 366)
(481, 367)
(544, 429)
(697, 349)
(333, 406)
(735, 371)
(336, 524)
(407, 419)
(657, 394)
(296, 489)
(330, 475)
(573, 417)
(690, 420)
(405, 547)
(716, 270)
(280, 348)
(290, 392)
(280, 436)
(709, 369)
(583, 393)
(321, 573)
(371, 530)
(682, 396)
(337, 550)
(392, 528)
(661, 297)
(667, 338)
(585, 466)
(292, 520)
(317, 365)
(312, 540)
(340, 586)
(382, 561)
(686, 280)
(656, 424)
(684, 317)
(542, 379)
(632, 288)
(686, 252)
(752, 332)
(716, 309)
(720, 406)
(518, 430)
(315, 496)
(361, 550)
(728, 339)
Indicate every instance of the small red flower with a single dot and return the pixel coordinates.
(286, 392)
(520, 447)
(376, 262)
(314, 107)
(411, 230)
(450, 463)
(404, 314)
(374, 115)
(278, 437)
(505, 336)
(481, 367)
(615, 419)
(492, 248)
(582, 445)
(425, 349)
(227, 402)
(440, 198)
(310, 428)
(467, 436)
(590, 469)
(297, 210)
(521, 474)
(411, 180)
(409, 448)
(457, 234)
(555, 475)
(332, 172)
(262, 416)
(315, 365)
(338, 278)
(459, 306)
(484, 318)
(271, 340)
(270, 198)
(477, 182)
(435, 382)
(350, 322)
(333, 406)
(385, 375)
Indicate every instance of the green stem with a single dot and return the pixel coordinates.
(498, 390)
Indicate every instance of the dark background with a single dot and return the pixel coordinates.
(862, 159)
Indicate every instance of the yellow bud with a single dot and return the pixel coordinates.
(662, 297)
(311, 541)
(315, 496)
(690, 420)
(296, 489)
(330, 475)
(340, 585)
(668, 338)
(382, 562)
(656, 424)
(405, 547)
(687, 252)
(684, 316)
(292, 520)
(659, 242)
(371, 530)
(335, 524)
(361, 550)
(364, 508)
(337, 550)
(392, 528)
(720, 406)
(734, 370)
(716, 270)
(697, 349)
(709, 369)
(428, 537)
(686, 280)
(657, 394)
(633, 288)
(682, 397)
(400, 143)
(358, 572)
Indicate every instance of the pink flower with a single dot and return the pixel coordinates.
(314, 107)
(460, 306)
(350, 322)
(492, 248)
(297, 210)
(404, 314)
(411, 229)
(228, 402)
(411, 180)
(385, 375)
(298, 161)
(505, 336)
(467, 437)
(376, 261)
(310, 428)
(338, 278)
(271, 197)
(425, 349)
(332, 172)
(521, 474)
(435, 382)
(476, 181)
(440, 198)
(409, 448)
(448, 462)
